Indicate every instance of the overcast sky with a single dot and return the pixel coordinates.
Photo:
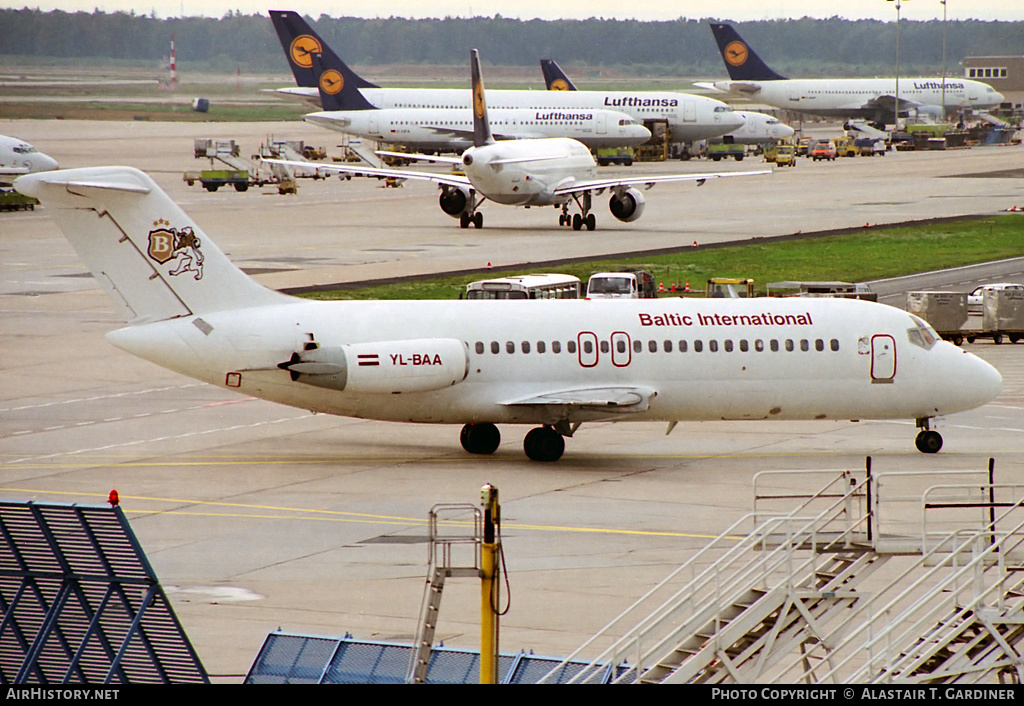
(738, 10)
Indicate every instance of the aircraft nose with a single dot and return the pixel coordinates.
(44, 163)
(786, 131)
(980, 381)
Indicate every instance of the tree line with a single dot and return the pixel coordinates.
(683, 47)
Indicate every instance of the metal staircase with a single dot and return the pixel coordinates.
(450, 535)
(797, 596)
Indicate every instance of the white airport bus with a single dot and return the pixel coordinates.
(545, 286)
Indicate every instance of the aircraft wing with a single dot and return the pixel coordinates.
(449, 179)
(11, 172)
(617, 399)
(458, 160)
(747, 89)
(887, 102)
(648, 181)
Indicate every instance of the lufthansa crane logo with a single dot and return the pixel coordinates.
(331, 82)
(478, 99)
(736, 53)
(302, 50)
(559, 84)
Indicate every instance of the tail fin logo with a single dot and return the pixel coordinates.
(736, 53)
(171, 244)
(331, 82)
(559, 84)
(478, 99)
(302, 50)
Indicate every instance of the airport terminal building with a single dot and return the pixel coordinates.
(1003, 73)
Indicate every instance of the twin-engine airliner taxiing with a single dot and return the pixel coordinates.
(757, 128)
(691, 117)
(451, 129)
(554, 363)
(540, 172)
(18, 157)
(869, 98)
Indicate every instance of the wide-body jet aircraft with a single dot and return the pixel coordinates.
(757, 128)
(691, 117)
(451, 129)
(541, 172)
(867, 98)
(554, 364)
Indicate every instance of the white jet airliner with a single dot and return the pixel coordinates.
(870, 98)
(554, 363)
(757, 128)
(691, 117)
(18, 157)
(451, 130)
(543, 172)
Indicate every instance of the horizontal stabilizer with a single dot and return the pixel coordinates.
(152, 259)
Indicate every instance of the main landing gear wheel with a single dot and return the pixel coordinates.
(480, 438)
(928, 441)
(544, 444)
(474, 219)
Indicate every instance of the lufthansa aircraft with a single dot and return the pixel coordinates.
(18, 157)
(691, 117)
(554, 363)
(451, 129)
(869, 98)
(757, 128)
(542, 172)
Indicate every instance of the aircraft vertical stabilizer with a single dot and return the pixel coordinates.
(150, 257)
(335, 82)
(741, 60)
(554, 78)
(300, 42)
(481, 124)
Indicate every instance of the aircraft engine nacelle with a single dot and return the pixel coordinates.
(384, 367)
(454, 201)
(628, 205)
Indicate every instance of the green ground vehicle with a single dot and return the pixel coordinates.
(213, 179)
(718, 152)
(11, 200)
(615, 155)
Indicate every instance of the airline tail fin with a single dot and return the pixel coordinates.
(481, 124)
(554, 78)
(741, 60)
(300, 42)
(337, 89)
(151, 258)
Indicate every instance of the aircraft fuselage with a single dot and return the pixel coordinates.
(859, 97)
(423, 129)
(525, 172)
(545, 362)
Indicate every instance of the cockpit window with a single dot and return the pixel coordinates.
(921, 334)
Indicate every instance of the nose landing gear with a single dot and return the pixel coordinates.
(928, 440)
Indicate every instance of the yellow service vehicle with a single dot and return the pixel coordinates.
(785, 156)
(730, 288)
(845, 147)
